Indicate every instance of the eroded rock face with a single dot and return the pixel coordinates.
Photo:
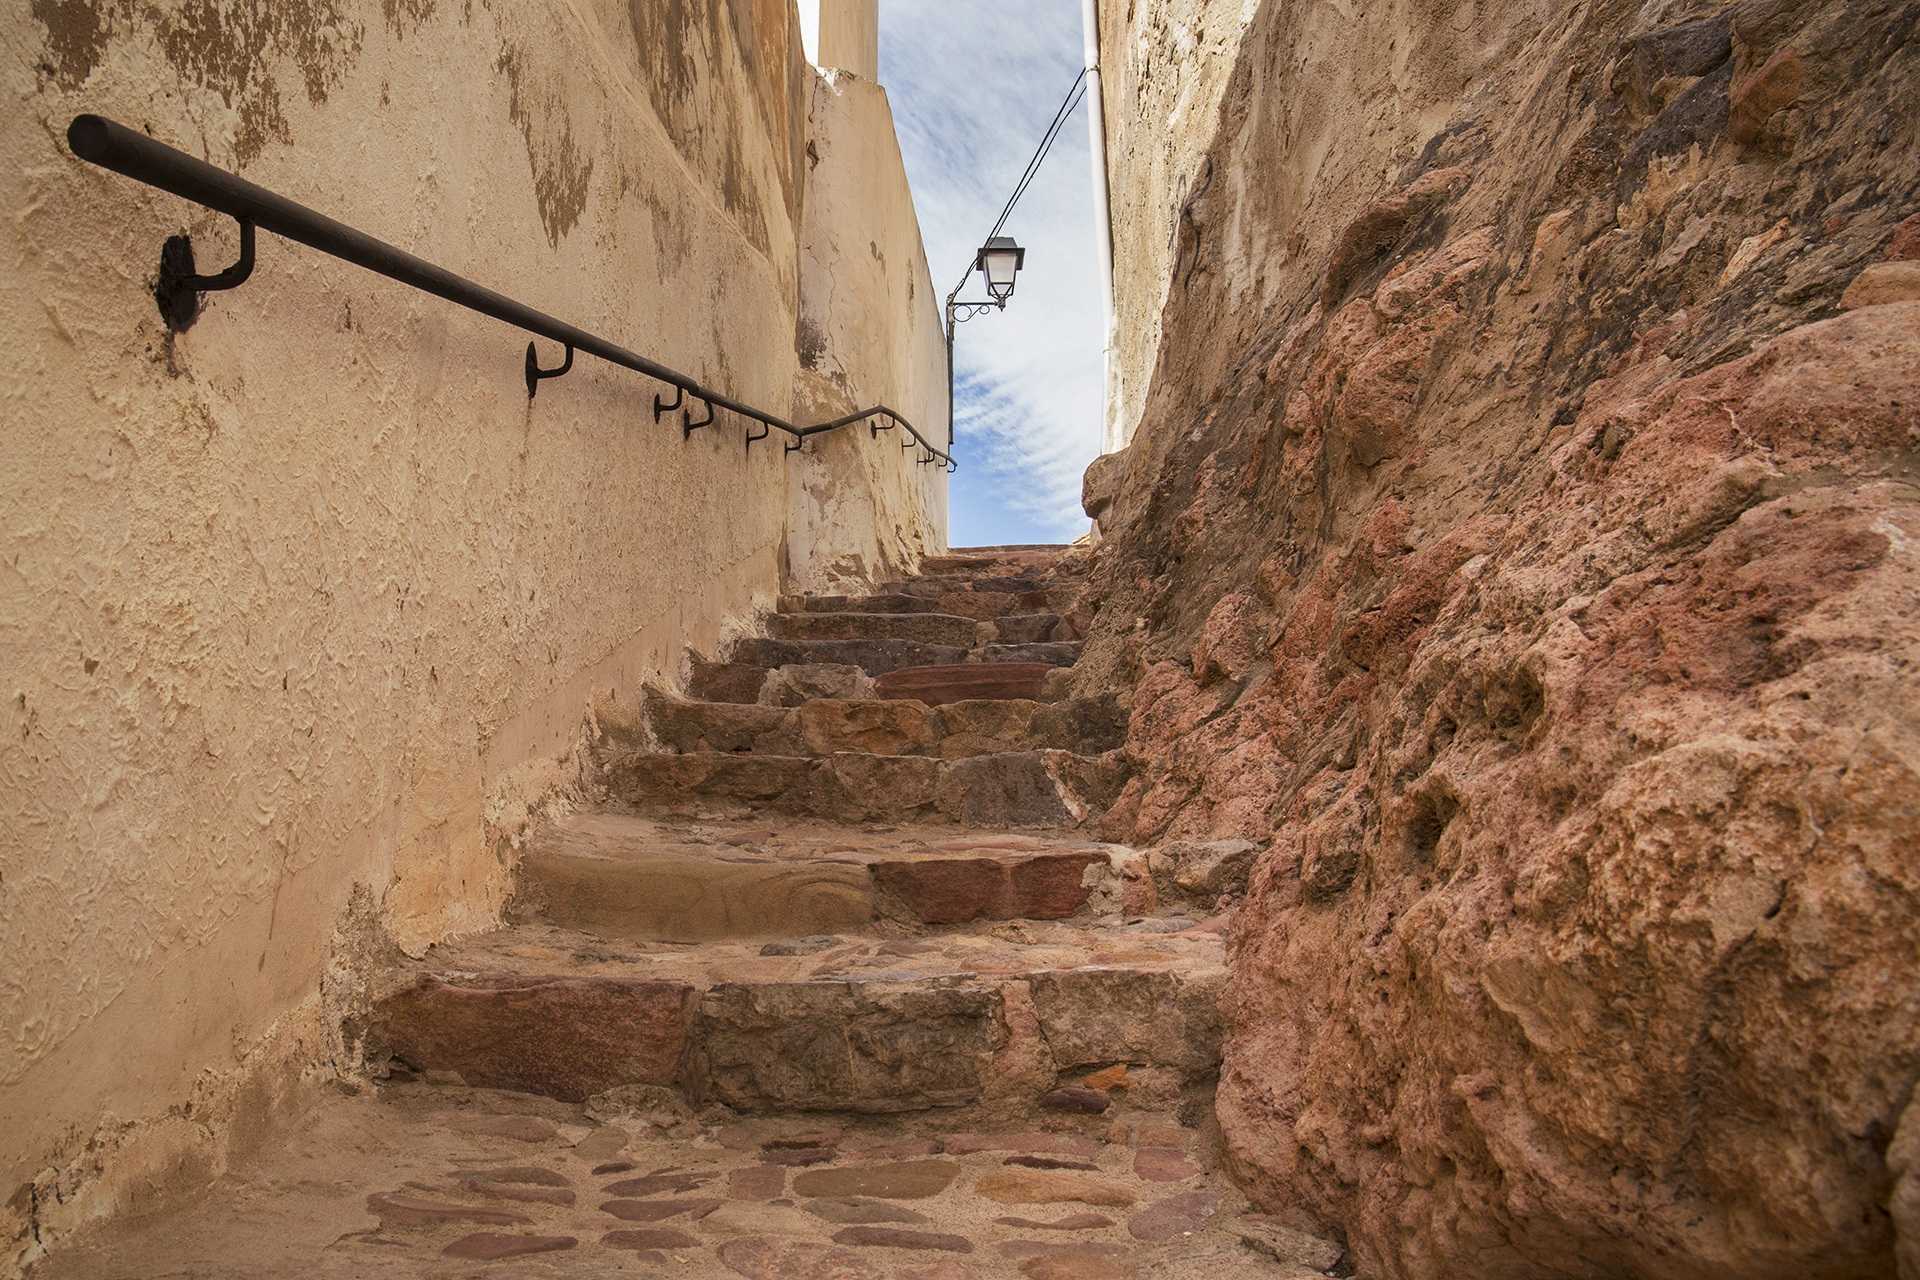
(1534, 559)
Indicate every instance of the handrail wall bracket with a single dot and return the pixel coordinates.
(536, 375)
(178, 288)
(688, 426)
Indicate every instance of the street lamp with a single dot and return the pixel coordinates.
(998, 261)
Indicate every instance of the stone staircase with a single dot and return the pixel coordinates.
(835, 983)
(874, 902)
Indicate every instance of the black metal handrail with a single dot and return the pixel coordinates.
(127, 151)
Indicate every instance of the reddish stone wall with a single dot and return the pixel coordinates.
(1526, 550)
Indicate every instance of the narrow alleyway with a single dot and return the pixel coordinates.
(831, 987)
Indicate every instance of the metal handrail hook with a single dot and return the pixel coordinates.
(660, 407)
(765, 431)
(535, 374)
(795, 446)
(178, 288)
(688, 426)
(876, 427)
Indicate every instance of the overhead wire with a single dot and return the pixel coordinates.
(1067, 104)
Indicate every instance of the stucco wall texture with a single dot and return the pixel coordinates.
(864, 299)
(305, 607)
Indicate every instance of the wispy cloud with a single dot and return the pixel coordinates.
(973, 86)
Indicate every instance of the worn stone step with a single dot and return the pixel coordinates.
(1032, 628)
(782, 686)
(642, 879)
(1060, 653)
(875, 657)
(957, 562)
(926, 628)
(981, 606)
(1011, 789)
(944, 587)
(947, 682)
(994, 1017)
(1056, 547)
(991, 606)
(822, 726)
(898, 602)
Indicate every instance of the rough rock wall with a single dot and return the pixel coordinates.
(1523, 541)
(303, 607)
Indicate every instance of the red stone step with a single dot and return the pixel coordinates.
(897, 602)
(941, 683)
(926, 628)
(946, 586)
(1031, 789)
(1010, 546)
(875, 657)
(1059, 653)
(1032, 628)
(641, 879)
(869, 1025)
(882, 726)
(1040, 560)
(782, 686)
(981, 606)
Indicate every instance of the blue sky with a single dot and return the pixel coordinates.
(973, 86)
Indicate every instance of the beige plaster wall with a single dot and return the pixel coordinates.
(1165, 65)
(850, 36)
(869, 318)
(305, 607)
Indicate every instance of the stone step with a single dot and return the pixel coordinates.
(990, 606)
(822, 726)
(981, 606)
(945, 585)
(1032, 628)
(878, 657)
(926, 628)
(998, 1017)
(1060, 653)
(1055, 547)
(954, 562)
(1037, 789)
(895, 603)
(642, 880)
(783, 686)
(875, 657)
(943, 683)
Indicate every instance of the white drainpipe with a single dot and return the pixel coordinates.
(1102, 217)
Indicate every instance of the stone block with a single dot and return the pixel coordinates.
(940, 683)
(870, 1047)
(673, 899)
(873, 726)
(925, 628)
(956, 890)
(1096, 1016)
(561, 1037)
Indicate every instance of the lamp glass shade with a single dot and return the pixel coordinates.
(999, 261)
